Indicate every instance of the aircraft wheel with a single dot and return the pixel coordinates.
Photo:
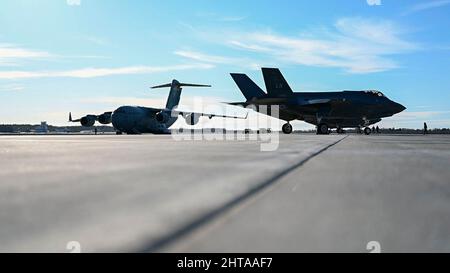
(287, 129)
(340, 130)
(118, 133)
(367, 131)
(322, 129)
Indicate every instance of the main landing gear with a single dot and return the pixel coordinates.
(322, 129)
(367, 131)
(287, 128)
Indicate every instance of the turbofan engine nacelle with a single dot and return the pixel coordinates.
(88, 121)
(162, 117)
(192, 119)
(105, 118)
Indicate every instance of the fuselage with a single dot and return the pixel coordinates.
(339, 109)
(140, 120)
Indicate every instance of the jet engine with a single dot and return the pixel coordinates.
(162, 117)
(192, 119)
(105, 118)
(88, 121)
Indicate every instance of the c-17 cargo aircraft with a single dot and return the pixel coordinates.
(326, 110)
(139, 120)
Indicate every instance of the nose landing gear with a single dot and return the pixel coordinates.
(287, 128)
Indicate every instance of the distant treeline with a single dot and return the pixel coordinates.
(408, 131)
(414, 131)
(28, 128)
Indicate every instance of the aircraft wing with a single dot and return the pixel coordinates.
(89, 120)
(260, 101)
(186, 113)
(243, 104)
(317, 101)
(321, 102)
(313, 103)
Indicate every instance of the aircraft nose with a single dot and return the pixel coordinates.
(397, 107)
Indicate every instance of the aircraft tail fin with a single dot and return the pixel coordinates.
(175, 92)
(73, 120)
(276, 84)
(248, 88)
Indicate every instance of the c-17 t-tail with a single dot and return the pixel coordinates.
(326, 110)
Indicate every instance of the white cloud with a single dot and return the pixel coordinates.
(215, 59)
(249, 47)
(186, 101)
(422, 114)
(11, 88)
(13, 55)
(355, 44)
(73, 2)
(374, 2)
(232, 18)
(97, 40)
(98, 72)
(10, 54)
(426, 6)
(220, 17)
(415, 119)
(198, 56)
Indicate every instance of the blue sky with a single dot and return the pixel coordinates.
(91, 56)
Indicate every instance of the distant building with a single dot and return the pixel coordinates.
(43, 128)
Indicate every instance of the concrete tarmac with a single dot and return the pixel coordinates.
(152, 193)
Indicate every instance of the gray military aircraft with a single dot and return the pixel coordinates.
(326, 110)
(139, 120)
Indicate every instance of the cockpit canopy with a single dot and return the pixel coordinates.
(375, 93)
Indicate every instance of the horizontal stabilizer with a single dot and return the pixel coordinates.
(175, 91)
(175, 83)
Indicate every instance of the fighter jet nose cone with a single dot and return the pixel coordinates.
(399, 108)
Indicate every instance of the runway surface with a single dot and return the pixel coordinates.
(152, 193)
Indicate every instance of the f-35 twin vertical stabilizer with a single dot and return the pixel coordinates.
(276, 84)
(277, 88)
(249, 89)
